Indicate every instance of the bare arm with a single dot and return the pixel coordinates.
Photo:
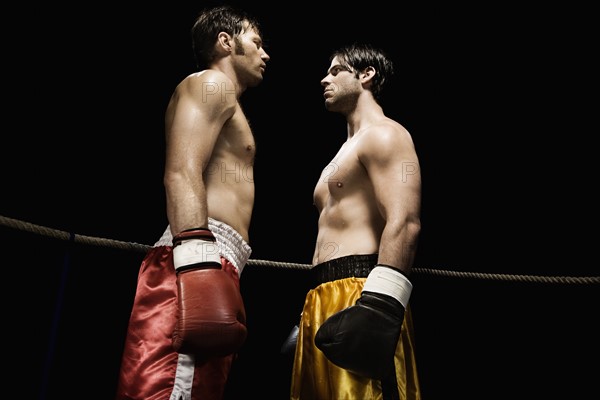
(393, 168)
(194, 119)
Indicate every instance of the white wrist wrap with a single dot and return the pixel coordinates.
(389, 282)
(195, 251)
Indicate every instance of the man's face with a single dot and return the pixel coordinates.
(341, 87)
(250, 57)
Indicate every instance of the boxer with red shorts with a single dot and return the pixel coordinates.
(188, 320)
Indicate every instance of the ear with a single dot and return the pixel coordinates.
(224, 43)
(367, 74)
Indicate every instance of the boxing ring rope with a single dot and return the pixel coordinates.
(73, 238)
(132, 246)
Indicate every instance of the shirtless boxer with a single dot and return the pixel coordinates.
(188, 318)
(355, 338)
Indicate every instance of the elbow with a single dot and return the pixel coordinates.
(169, 179)
(414, 228)
(172, 179)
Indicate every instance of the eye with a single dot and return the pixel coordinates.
(337, 69)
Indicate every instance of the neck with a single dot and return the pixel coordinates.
(364, 114)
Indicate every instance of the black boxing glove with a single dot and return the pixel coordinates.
(363, 338)
(211, 319)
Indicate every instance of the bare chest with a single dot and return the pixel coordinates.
(344, 175)
(237, 140)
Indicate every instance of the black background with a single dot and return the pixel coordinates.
(499, 101)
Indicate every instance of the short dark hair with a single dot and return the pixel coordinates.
(358, 56)
(210, 22)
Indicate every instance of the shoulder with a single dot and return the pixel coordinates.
(207, 76)
(208, 88)
(385, 144)
(385, 136)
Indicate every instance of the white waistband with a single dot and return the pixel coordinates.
(231, 244)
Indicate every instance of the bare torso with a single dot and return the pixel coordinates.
(194, 123)
(349, 221)
(368, 196)
(230, 175)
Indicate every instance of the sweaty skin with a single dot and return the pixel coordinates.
(210, 146)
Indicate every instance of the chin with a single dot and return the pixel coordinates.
(256, 81)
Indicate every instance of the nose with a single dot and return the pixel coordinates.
(325, 81)
(265, 56)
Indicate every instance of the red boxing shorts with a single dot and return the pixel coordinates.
(150, 368)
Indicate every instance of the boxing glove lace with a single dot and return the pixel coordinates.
(363, 338)
(211, 319)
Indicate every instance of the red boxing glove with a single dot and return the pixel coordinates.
(210, 316)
